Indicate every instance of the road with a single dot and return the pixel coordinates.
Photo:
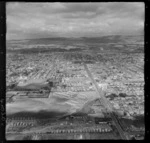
(53, 68)
(106, 103)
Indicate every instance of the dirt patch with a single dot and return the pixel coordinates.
(59, 99)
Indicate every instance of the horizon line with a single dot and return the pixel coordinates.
(76, 37)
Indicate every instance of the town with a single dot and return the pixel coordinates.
(58, 77)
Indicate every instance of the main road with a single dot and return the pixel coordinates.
(106, 103)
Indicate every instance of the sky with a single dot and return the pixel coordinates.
(46, 20)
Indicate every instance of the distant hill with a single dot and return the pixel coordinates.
(103, 39)
(115, 38)
(63, 44)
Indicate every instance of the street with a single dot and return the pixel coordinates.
(106, 103)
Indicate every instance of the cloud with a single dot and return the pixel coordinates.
(32, 20)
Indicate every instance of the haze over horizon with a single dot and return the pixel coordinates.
(47, 20)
